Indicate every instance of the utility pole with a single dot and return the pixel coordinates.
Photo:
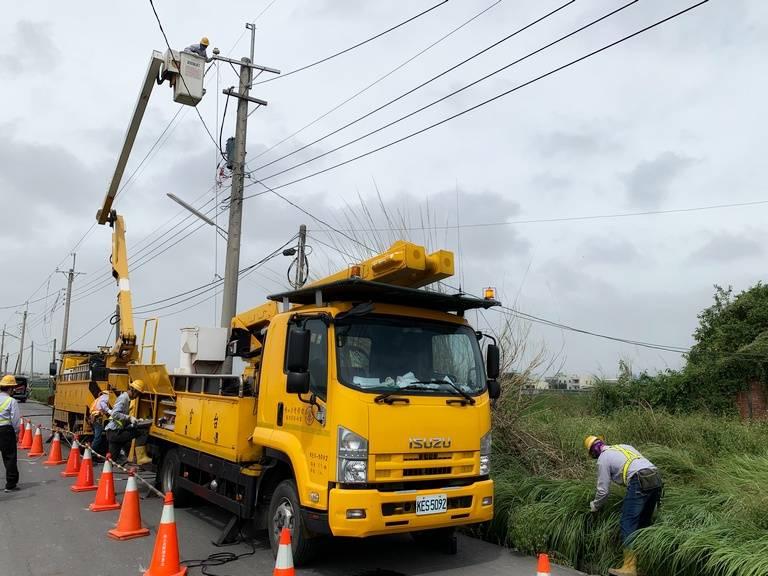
(70, 278)
(301, 257)
(21, 343)
(232, 262)
(7, 357)
(2, 345)
(32, 359)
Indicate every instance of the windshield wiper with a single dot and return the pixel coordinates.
(412, 386)
(448, 381)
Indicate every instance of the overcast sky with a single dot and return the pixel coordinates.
(672, 119)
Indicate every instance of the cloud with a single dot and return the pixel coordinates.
(608, 250)
(34, 51)
(727, 247)
(583, 142)
(648, 184)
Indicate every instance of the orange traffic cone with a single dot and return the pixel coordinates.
(37, 444)
(22, 429)
(543, 567)
(165, 557)
(129, 523)
(84, 480)
(26, 444)
(73, 462)
(105, 496)
(54, 458)
(284, 561)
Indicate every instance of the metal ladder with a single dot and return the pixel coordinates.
(151, 346)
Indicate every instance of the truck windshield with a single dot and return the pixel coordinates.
(386, 354)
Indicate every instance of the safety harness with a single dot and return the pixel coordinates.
(630, 455)
(3, 406)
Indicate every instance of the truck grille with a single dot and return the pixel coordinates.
(393, 467)
(409, 507)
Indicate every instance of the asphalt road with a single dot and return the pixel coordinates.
(47, 530)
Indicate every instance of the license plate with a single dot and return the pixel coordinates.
(436, 504)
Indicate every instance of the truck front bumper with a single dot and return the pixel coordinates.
(359, 513)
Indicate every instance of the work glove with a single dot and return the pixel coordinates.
(132, 419)
(592, 507)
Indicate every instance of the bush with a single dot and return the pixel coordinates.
(714, 515)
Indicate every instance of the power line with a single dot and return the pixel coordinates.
(463, 88)
(552, 220)
(421, 85)
(379, 79)
(485, 102)
(349, 49)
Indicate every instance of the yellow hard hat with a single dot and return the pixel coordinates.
(204, 41)
(8, 381)
(589, 440)
(138, 385)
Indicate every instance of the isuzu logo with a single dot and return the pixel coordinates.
(426, 443)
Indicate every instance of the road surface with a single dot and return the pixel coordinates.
(47, 530)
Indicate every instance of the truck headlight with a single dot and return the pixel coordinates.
(352, 457)
(485, 455)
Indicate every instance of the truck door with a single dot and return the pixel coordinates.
(308, 421)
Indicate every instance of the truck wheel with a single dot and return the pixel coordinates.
(285, 512)
(170, 470)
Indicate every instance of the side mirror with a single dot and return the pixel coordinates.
(52, 368)
(494, 389)
(297, 383)
(492, 362)
(297, 361)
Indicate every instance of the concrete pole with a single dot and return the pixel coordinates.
(7, 357)
(232, 266)
(70, 279)
(2, 345)
(21, 344)
(32, 359)
(299, 281)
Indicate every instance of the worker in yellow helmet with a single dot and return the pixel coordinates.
(122, 426)
(200, 49)
(10, 419)
(625, 466)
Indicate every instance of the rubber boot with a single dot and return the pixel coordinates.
(630, 565)
(141, 456)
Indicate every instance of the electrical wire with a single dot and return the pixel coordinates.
(378, 80)
(484, 102)
(353, 47)
(553, 220)
(459, 90)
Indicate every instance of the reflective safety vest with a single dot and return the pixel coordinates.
(630, 456)
(3, 406)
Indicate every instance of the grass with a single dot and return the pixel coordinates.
(714, 517)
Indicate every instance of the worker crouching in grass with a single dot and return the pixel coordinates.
(625, 466)
(122, 429)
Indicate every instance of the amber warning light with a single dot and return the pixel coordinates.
(489, 293)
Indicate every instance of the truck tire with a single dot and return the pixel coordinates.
(170, 470)
(285, 511)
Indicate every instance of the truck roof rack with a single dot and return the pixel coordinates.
(358, 290)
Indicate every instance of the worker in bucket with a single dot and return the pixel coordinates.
(122, 429)
(200, 49)
(10, 419)
(99, 414)
(624, 465)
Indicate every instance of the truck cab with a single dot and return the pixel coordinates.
(363, 409)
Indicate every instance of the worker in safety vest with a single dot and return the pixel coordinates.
(121, 428)
(199, 49)
(10, 418)
(624, 465)
(99, 414)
